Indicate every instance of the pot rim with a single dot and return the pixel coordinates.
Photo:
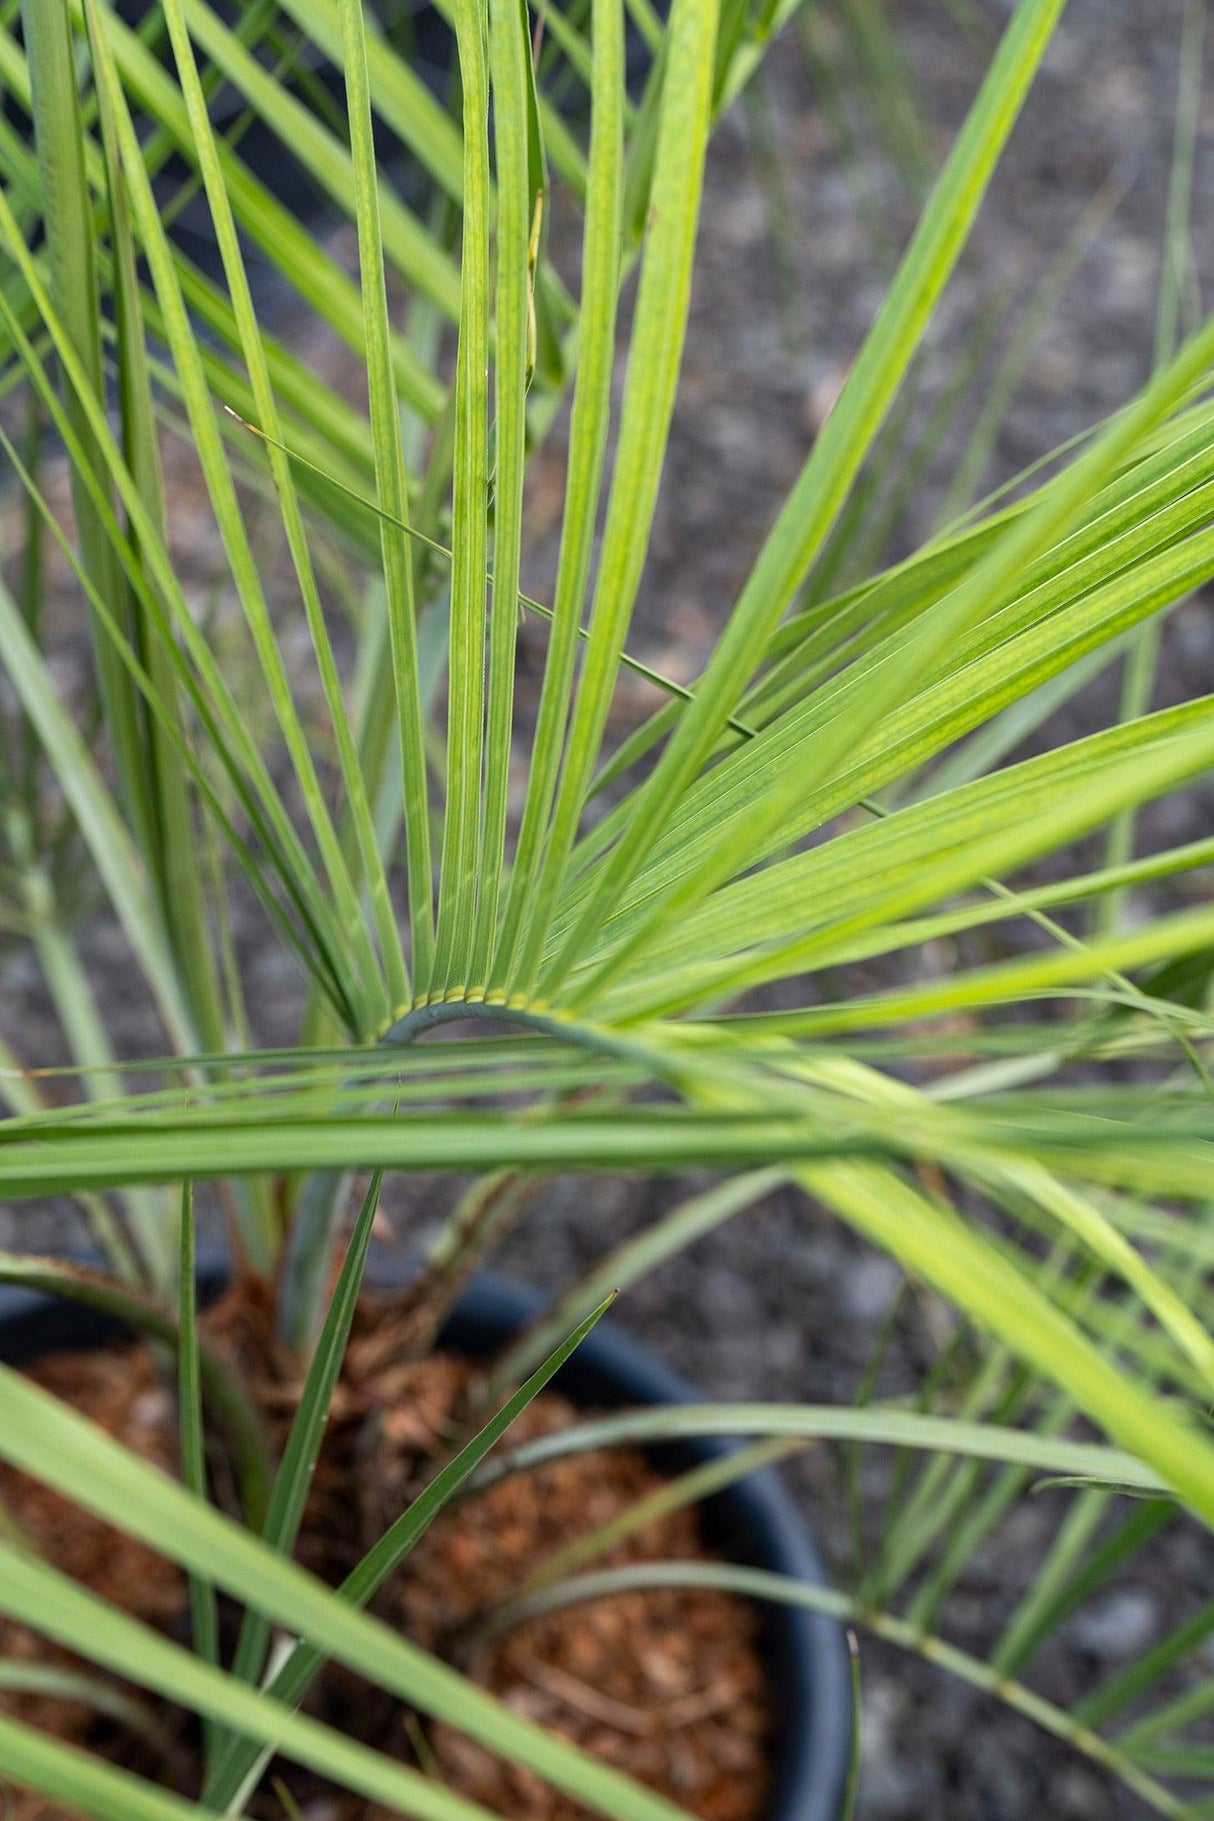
(808, 1659)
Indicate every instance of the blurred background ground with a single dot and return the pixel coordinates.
(782, 1303)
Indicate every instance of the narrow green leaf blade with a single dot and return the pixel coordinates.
(293, 1480)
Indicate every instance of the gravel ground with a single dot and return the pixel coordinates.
(782, 1303)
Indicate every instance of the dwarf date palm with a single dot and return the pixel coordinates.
(651, 955)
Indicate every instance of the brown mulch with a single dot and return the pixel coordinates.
(667, 1685)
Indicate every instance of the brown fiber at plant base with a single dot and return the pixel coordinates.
(667, 1685)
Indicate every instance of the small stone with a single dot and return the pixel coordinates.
(1121, 1624)
(869, 1287)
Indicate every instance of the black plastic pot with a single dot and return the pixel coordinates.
(753, 1523)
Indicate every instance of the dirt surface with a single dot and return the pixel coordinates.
(781, 1303)
(667, 1685)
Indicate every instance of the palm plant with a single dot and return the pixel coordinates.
(650, 962)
